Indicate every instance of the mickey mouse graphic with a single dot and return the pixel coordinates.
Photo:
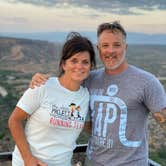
(75, 111)
(73, 108)
(78, 111)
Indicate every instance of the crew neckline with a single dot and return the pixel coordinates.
(117, 75)
(65, 89)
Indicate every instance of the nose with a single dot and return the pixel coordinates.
(110, 49)
(80, 65)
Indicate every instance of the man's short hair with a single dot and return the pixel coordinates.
(111, 26)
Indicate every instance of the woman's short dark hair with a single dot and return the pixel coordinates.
(111, 26)
(74, 44)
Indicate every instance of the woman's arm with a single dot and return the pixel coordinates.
(17, 131)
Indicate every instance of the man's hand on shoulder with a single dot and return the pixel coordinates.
(161, 118)
(38, 79)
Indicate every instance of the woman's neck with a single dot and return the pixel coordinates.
(69, 83)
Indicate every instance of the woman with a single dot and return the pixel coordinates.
(55, 112)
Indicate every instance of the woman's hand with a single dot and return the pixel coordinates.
(33, 161)
(38, 79)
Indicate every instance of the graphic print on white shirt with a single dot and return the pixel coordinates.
(66, 116)
(111, 105)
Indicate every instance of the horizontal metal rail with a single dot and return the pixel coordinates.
(7, 156)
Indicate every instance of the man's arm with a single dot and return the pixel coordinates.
(160, 117)
(38, 79)
(88, 127)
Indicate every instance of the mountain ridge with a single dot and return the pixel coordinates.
(21, 58)
(30, 56)
(132, 37)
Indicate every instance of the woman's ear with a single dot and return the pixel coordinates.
(63, 66)
(97, 46)
(126, 46)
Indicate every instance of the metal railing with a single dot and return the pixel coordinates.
(7, 156)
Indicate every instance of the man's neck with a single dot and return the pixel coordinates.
(118, 70)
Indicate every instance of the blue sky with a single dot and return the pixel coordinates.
(145, 16)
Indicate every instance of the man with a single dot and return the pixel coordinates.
(122, 96)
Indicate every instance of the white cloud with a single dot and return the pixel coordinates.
(32, 16)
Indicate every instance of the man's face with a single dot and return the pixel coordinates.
(112, 49)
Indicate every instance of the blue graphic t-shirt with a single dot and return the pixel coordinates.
(119, 107)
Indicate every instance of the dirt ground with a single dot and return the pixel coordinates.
(7, 163)
(79, 157)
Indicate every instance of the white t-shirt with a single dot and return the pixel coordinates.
(57, 116)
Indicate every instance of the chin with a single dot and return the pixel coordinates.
(113, 67)
(78, 79)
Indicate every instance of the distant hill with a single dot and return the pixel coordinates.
(20, 58)
(132, 38)
(30, 56)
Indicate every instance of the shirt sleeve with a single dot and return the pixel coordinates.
(31, 99)
(155, 96)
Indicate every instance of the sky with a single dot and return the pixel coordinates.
(145, 16)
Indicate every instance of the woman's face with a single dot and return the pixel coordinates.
(77, 67)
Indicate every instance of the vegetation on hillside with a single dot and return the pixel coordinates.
(19, 59)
